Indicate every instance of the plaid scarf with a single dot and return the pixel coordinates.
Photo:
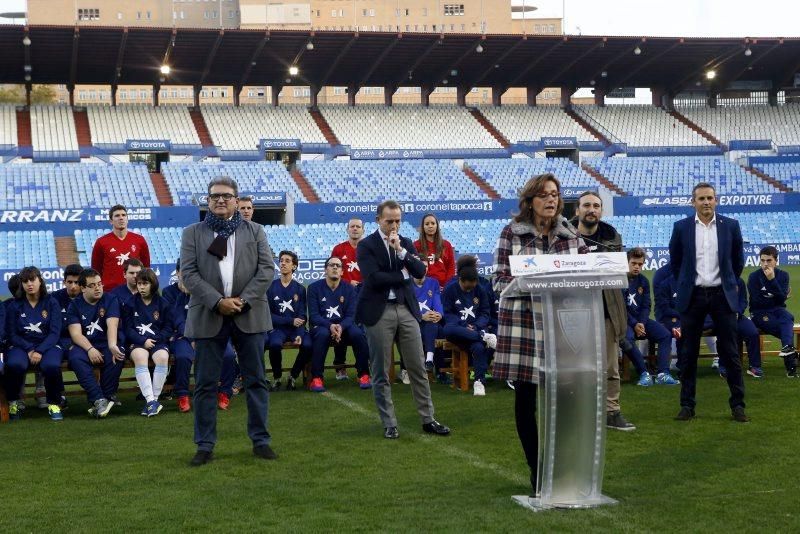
(224, 228)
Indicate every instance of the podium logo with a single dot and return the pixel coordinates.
(572, 323)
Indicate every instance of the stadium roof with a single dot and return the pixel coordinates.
(114, 55)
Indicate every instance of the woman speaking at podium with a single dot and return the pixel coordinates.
(538, 228)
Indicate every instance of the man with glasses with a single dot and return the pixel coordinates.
(112, 249)
(332, 310)
(227, 303)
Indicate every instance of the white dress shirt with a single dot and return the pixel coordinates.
(400, 256)
(706, 253)
(226, 266)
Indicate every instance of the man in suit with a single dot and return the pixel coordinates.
(707, 258)
(226, 267)
(389, 310)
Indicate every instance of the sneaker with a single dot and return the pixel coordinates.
(478, 389)
(184, 404)
(290, 385)
(715, 363)
(223, 401)
(14, 413)
(755, 372)
(64, 403)
(510, 385)
(238, 385)
(113, 398)
(41, 400)
(617, 421)
(145, 409)
(341, 374)
(787, 350)
(645, 380)
(275, 386)
(102, 407)
(490, 340)
(316, 385)
(154, 408)
(791, 373)
(723, 372)
(443, 379)
(666, 379)
(429, 365)
(364, 382)
(673, 365)
(404, 377)
(55, 412)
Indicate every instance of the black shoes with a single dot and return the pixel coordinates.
(685, 414)
(739, 416)
(434, 427)
(201, 458)
(391, 432)
(265, 452)
(617, 421)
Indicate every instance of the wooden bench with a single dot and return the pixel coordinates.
(459, 364)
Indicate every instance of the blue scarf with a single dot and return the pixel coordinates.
(224, 228)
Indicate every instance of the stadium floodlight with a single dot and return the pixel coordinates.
(604, 74)
(454, 72)
(26, 41)
(27, 68)
(637, 50)
(309, 46)
(479, 48)
(711, 74)
(444, 82)
(748, 52)
(165, 69)
(293, 70)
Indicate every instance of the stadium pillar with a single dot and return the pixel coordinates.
(461, 94)
(28, 88)
(772, 97)
(196, 95)
(114, 95)
(156, 89)
(658, 94)
(599, 97)
(566, 95)
(71, 91)
(388, 94)
(352, 90)
(237, 93)
(530, 95)
(712, 100)
(497, 94)
(314, 95)
(425, 94)
(275, 90)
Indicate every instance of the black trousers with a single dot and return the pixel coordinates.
(525, 415)
(710, 301)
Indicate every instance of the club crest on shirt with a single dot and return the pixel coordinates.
(101, 312)
(296, 297)
(640, 290)
(156, 315)
(475, 300)
(765, 318)
(44, 314)
(341, 299)
(133, 248)
(430, 293)
(674, 319)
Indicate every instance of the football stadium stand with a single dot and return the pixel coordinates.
(8, 125)
(18, 249)
(530, 123)
(75, 185)
(406, 126)
(781, 123)
(164, 243)
(667, 176)
(53, 132)
(506, 176)
(788, 173)
(643, 125)
(375, 181)
(187, 179)
(240, 128)
(113, 125)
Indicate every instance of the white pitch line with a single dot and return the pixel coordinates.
(437, 443)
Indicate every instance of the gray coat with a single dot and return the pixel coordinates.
(253, 271)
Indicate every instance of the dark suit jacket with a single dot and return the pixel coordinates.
(379, 277)
(252, 273)
(682, 253)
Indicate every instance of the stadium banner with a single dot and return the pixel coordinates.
(750, 144)
(413, 211)
(279, 145)
(276, 199)
(708, 150)
(376, 153)
(789, 149)
(148, 145)
(64, 222)
(757, 160)
(727, 203)
(559, 142)
(788, 254)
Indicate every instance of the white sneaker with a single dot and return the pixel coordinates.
(478, 389)
(490, 340)
(404, 377)
(715, 363)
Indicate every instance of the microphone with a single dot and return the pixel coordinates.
(568, 228)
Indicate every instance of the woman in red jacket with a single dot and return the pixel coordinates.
(436, 252)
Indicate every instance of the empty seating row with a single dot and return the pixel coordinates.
(116, 124)
(788, 173)
(19, 249)
(781, 123)
(643, 125)
(8, 125)
(507, 176)
(164, 243)
(530, 123)
(53, 130)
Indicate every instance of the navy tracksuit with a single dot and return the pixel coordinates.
(637, 301)
(36, 328)
(327, 307)
(429, 297)
(93, 321)
(768, 308)
(125, 298)
(148, 321)
(285, 305)
(181, 347)
(747, 330)
(466, 316)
